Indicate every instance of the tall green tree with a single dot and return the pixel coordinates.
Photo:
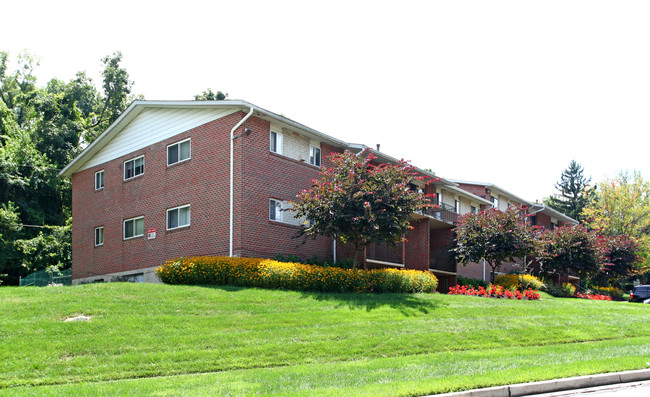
(359, 202)
(567, 249)
(574, 192)
(211, 96)
(41, 130)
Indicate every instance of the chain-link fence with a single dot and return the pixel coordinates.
(44, 278)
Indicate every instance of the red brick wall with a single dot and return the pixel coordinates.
(478, 190)
(416, 249)
(201, 182)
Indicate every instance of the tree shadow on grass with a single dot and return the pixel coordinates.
(407, 304)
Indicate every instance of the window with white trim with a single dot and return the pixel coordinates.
(133, 228)
(99, 180)
(275, 210)
(457, 206)
(179, 151)
(473, 209)
(99, 236)
(178, 217)
(133, 167)
(314, 156)
(495, 202)
(276, 142)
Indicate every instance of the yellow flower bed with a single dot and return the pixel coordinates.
(519, 282)
(610, 291)
(266, 273)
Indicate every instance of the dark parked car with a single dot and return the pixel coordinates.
(640, 293)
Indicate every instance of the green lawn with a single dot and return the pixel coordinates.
(147, 339)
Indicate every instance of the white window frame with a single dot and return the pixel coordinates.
(495, 202)
(124, 228)
(178, 144)
(189, 217)
(457, 206)
(278, 142)
(101, 230)
(134, 175)
(278, 210)
(313, 159)
(98, 173)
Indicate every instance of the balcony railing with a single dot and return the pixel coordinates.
(442, 260)
(444, 212)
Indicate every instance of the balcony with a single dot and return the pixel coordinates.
(442, 260)
(443, 212)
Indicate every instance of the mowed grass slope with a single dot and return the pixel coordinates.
(169, 340)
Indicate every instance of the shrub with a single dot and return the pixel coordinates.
(266, 273)
(520, 282)
(609, 291)
(472, 282)
(569, 289)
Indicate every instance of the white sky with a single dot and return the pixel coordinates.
(507, 92)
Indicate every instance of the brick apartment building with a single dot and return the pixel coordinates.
(178, 178)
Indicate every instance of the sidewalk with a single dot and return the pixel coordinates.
(548, 386)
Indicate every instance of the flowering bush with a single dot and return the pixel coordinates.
(596, 297)
(610, 291)
(266, 273)
(520, 282)
(494, 291)
(569, 289)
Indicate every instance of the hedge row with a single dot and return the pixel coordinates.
(266, 273)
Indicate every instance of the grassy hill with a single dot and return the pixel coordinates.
(147, 339)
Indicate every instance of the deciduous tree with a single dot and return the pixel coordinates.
(571, 248)
(494, 236)
(359, 202)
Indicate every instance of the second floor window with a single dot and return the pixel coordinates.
(276, 142)
(314, 156)
(178, 152)
(133, 228)
(457, 206)
(133, 167)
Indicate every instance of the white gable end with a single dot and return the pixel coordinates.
(154, 125)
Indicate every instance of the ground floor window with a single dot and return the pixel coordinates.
(99, 236)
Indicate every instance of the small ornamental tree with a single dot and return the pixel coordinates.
(571, 248)
(621, 257)
(360, 203)
(495, 236)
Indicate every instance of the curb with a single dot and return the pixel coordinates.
(549, 386)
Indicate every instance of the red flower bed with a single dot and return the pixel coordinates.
(496, 291)
(595, 297)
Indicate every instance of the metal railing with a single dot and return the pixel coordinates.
(444, 212)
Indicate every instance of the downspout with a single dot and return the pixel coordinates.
(232, 161)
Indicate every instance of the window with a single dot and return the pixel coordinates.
(134, 278)
(275, 210)
(178, 217)
(473, 209)
(437, 199)
(457, 206)
(134, 167)
(178, 152)
(99, 180)
(495, 202)
(133, 228)
(99, 236)
(276, 142)
(314, 156)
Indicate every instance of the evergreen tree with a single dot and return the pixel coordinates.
(574, 192)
